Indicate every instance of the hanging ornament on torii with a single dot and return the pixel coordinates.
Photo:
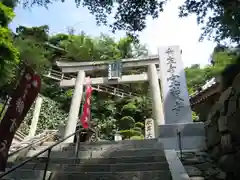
(85, 117)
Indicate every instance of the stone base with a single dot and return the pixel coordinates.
(192, 136)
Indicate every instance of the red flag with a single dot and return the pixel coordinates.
(22, 99)
(86, 107)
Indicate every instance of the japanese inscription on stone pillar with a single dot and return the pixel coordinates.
(149, 129)
(173, 81)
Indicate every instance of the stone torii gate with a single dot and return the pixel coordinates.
(168, 114)
(81, 67)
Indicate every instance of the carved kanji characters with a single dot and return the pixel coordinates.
(169, 51)
(26, 90)
(28, 77)
(149, 135)
(35, 84)
(149, 128)
(171, 68)
(13, 125)
(19, 105)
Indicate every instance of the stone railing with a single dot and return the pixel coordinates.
(223, 130)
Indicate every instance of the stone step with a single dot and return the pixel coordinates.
(62, 175)
(22, 174)
(136, 175)
(119, 167)
(113, 160)
(100, 154)
(145, 141)
(128, 144)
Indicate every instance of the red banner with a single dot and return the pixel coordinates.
(86, 107)
(22, 99)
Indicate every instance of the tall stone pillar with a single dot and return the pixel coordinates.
(35, 118)
(74, 108)
(174, 87)
(157, 106)
(179, 128)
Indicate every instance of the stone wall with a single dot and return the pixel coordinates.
(223, 130)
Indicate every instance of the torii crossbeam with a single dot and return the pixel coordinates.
(81, 67)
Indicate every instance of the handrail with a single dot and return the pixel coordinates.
(20, 134)
(31, 144)
(41, 152)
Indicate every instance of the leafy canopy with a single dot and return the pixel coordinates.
(9, 55)
(130, 16)
(220, 19)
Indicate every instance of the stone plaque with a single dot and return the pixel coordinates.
(115, 70)
(173, 81)
(149, 129)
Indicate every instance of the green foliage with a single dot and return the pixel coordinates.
(125, 48)
(130, 16)
(108, 112)
(6, 15)
(129, 109)
(30, 42)
(83, 48)
(8, 53)
(32, 53)
(220, 19)
(9, 3)
(137, 129)
(127, 134)
(195, 116)
(139, 125)
(222, 57)
(126, 122)
(106, 127)
(50, 117)
(137, 137)
(1, 108)
(57, 39)
(195, 77)
(39, 34)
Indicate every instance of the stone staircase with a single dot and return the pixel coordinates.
(122, 160)
(47, 135)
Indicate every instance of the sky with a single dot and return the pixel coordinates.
(167, 30)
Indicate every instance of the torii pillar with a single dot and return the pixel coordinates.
(75, 106)
(157, 106)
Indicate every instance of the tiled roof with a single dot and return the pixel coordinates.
(209, 89)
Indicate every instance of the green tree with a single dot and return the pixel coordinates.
(39, 50)
(129, 109)
(130, 16)
(195, 77)
(220, 19)
(126, 122)
(221, 58)
(30, 42)
(32, 53)
(38, 33)
(131, 134)
(9, 56)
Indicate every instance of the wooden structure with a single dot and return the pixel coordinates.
(203, 100)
